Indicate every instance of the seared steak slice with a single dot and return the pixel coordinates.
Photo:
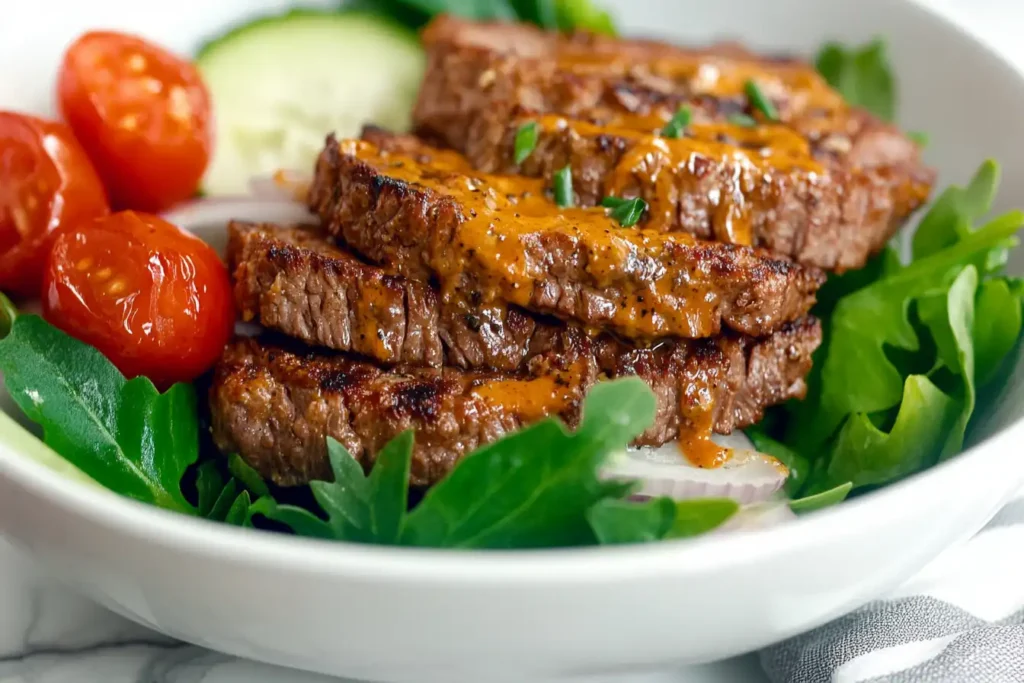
(425, 214)
(274, 405)
(827, 186)
(296, 281)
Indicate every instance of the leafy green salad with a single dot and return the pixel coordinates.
(910, 346)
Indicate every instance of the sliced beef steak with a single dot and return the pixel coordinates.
(827, 185)
(297, 281)
(275, 404)
(487, 239)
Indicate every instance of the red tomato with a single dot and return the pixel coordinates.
(46, 182)
(153, 298)
(142, 113)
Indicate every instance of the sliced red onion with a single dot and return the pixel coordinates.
(747, 477)
(283, 185)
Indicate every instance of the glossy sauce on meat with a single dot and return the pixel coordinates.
(669, 168)
(500, 214)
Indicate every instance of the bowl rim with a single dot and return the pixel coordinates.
(197, 536)
(148, 524)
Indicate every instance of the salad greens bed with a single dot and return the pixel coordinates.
(561, 15)
(907, 348)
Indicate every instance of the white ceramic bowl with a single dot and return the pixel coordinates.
(423, 616)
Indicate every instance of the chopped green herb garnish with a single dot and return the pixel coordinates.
(626, 211)
(676, 126)
(613, 202)
(920, 138)
(526, 141)
(742, 120)
(760, 101)
(563, 187)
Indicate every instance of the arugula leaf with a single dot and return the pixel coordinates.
(229, 501)
(863, 454)
(622, 521)
(856, 374)
(953, 214)
(247, 476)
(695, 517)
(225, 501)
(564, 15)
(950, 318)
(124, 434)
(367, 509)
(997, 326)
(479, 10)
(8, 312)
(239, 513)
(209, 484)
(862, 75)
(389, 488)
(894, 386)
(540, 12)
(533, 487)
(300, 520)
(821, 500)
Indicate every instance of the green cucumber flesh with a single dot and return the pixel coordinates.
(280, 84)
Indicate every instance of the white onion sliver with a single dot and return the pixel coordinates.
(759, 516)
(747, 477)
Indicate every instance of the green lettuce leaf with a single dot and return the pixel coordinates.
(953, 214)
(856, 374)
(124, 434)
(905, 349)
(533, 487)
(622, 521)
(864, 454)
(949, 316)
(997, 326)
(821, 500)
(862, 75)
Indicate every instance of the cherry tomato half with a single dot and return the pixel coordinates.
(156, 300)
(46, 182)
(142, 113)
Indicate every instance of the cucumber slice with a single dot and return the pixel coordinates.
(280, 84)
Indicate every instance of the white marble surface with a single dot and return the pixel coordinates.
(50, 635)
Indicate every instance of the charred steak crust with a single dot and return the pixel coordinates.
(274, 404)
(294, 280)
(828, 188)
(423, 213)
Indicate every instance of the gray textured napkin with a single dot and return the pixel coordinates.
(960, 620)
